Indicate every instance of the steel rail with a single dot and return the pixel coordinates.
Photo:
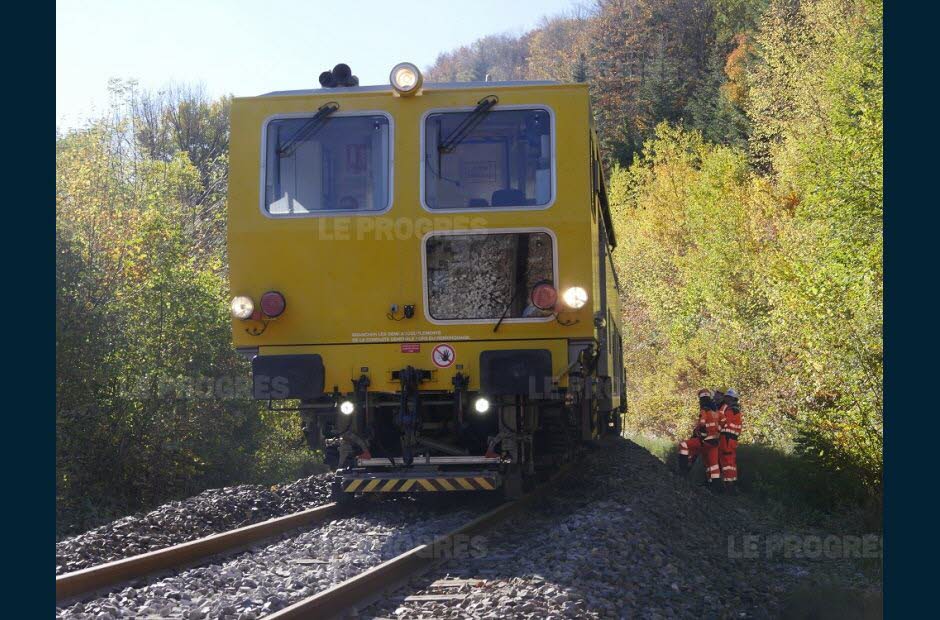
(369, 585)
(93, 578)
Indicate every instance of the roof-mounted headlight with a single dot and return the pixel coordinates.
(406, 79)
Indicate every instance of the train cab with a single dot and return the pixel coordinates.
(422, 273)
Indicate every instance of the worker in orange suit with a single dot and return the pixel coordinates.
(729, 425)
(719, 397)
(704, 440)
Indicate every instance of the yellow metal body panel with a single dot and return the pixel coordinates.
(345, 363)
(340, 274)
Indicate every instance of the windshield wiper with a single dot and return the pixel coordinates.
(308, 129)
(508, 307)
(468, 124)
(512, 300)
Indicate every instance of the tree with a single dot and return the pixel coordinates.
(182, 119)
(579, 73)
(558, 49)
(648, 59)
(817, 100)
(502, 57)
(716, 107)
(152, 402)
(697, 219)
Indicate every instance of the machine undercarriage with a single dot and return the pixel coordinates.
(422, 441)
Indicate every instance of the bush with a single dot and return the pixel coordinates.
(151, 398)
(283, 454)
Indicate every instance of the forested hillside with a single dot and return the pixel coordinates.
(744, 158)
(744, 146)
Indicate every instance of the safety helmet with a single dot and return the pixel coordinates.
(732, 393)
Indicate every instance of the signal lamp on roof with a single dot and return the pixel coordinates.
(406, 79)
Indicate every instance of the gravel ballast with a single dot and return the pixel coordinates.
(624, 537)
(210, 512)
(620, 536)
(270, 577)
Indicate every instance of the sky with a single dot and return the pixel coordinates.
(244, 47)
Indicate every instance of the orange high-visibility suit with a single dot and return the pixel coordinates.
(729, 424)
(704, 441)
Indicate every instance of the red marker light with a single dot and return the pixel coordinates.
(544, 296)
(273, 304)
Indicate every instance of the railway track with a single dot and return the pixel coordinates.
(355, 592)
(371, 584)
(88, 580)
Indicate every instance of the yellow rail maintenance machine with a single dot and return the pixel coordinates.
(423, 272)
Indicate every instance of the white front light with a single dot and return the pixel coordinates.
(242, 307)
(575, 297)
(346, 407)
(481, 405)
(405, 78)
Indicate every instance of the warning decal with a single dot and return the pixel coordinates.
(443, 355)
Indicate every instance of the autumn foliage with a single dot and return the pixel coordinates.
(744, 143)
(151, 399)
(744, 140)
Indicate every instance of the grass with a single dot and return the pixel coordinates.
(663, 449)
(792, 487)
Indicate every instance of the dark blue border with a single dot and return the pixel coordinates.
(912, 369)
(29, 307)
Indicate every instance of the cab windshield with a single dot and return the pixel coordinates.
(340, 163)
(504, 161)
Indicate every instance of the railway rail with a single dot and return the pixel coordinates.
(371, 584)
(88, 580)
(356, 592)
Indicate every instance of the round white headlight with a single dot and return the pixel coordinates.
(405, 78)
(346, 407)
(242, 307)
(481, 405)
(575, 297)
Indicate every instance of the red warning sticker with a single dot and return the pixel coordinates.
(410, 347)
(443, 355)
